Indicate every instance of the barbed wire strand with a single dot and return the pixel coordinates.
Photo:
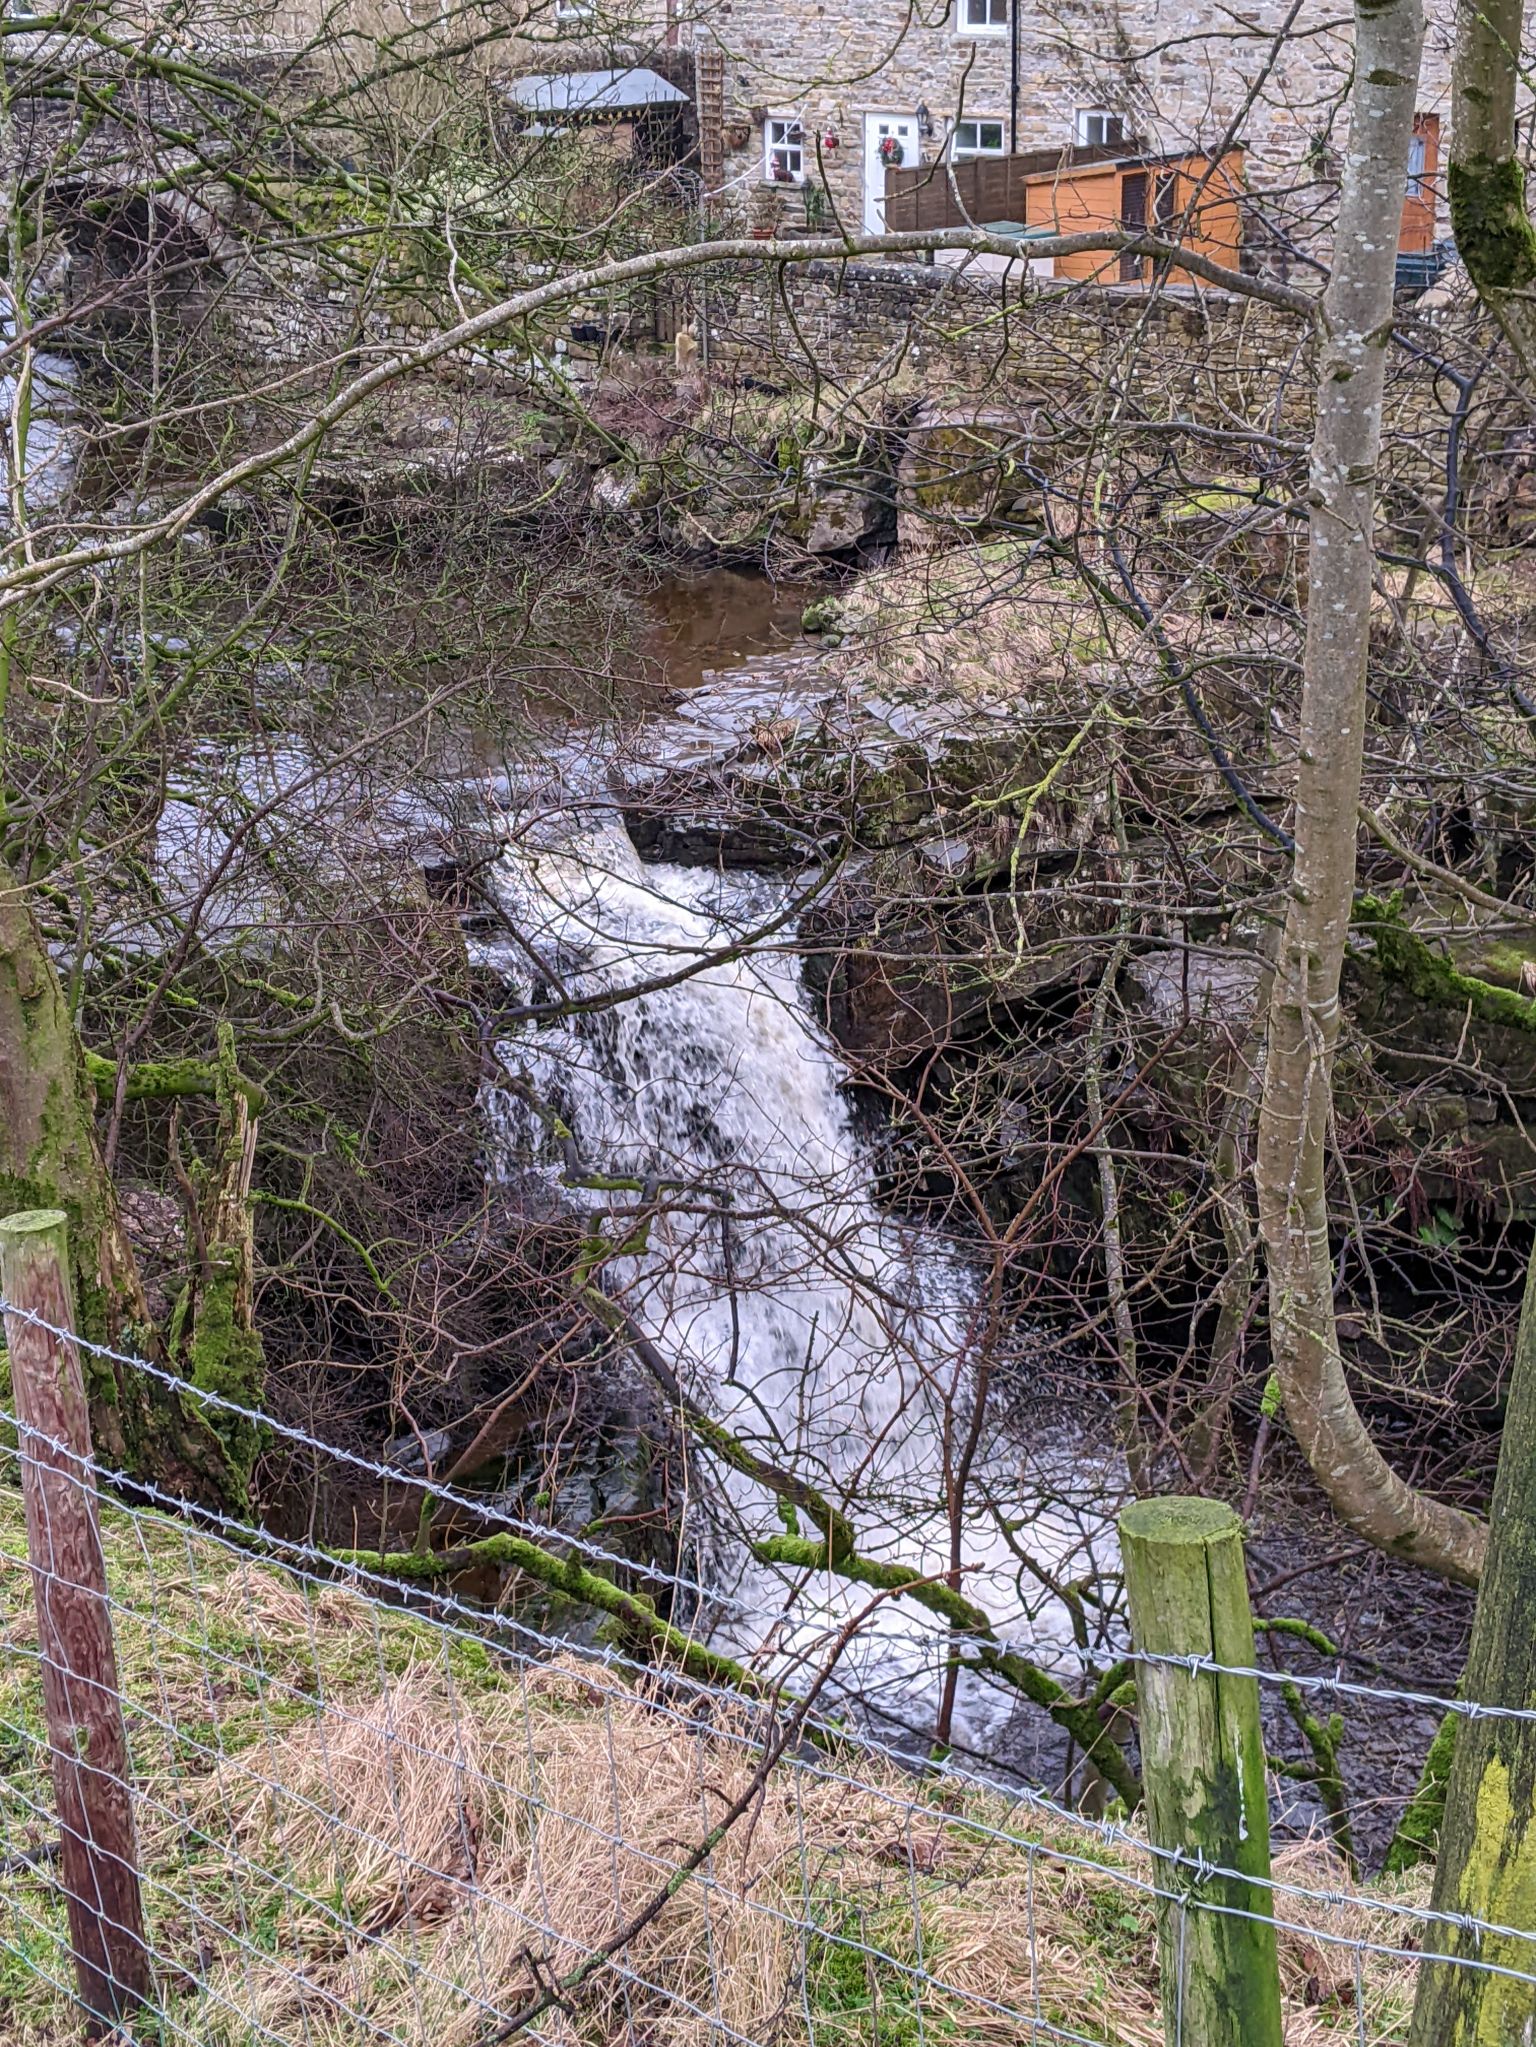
(1195, 1870)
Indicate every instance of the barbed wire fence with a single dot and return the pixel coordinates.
(368, 1811)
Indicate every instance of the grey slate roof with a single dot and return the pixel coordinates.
(593, 92)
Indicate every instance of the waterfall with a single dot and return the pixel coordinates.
(822, 1331)
(52, 435)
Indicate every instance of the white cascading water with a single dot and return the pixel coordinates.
(50, 452)
(825, 1334)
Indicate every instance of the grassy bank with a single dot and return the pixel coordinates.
(357, 1826)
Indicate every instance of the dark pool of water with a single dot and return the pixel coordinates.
(719, 618)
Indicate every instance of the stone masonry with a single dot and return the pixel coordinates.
(1177, 75)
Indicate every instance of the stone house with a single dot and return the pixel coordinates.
(814, 101)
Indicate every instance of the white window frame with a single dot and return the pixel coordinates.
(788, 125)
(965, 26)
(965, 152)
(575, 10)
(1084, 122)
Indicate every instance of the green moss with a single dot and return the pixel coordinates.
(1493, 231)
(637, 1618)
(1418, 1831)
(864, 1977)
(805, 1554)
(225, 1358)
(163, 1079)
(1504, 962)
(1498, 1883)
(1405, 958)
(1225, 495)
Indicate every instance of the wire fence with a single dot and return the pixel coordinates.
(371, 1812)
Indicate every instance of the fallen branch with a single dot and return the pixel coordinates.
(163, 1080)
(635, 1614)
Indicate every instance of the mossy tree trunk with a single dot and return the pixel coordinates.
(49, 1154)
(1485, 176)
(1296, 1107)
(1487, 1865)
(50, 1158)
(213, 1337)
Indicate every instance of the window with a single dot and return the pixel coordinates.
(1423, 157)
(975, 138)
(783, 150)
(982, 17)
(575, 10)
(1096, 129)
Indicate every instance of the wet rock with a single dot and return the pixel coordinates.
(1202, 984)
(843, 520)
(622, 489)
(725, 839)
(960, 468)
(893, 984)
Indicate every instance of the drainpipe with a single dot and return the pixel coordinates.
(1013, 76)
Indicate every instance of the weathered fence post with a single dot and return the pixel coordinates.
(98, 1862)
(1202, 1755)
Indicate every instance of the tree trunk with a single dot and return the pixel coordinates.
(213, 1335)
(1487, 1865)
(50, 1158)
(1486, 179)
(1297, 1100)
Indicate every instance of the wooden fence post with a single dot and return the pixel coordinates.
(1202, 1755)
(98, 1859)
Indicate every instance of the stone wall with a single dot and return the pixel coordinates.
(915, 324)
(1180, 72)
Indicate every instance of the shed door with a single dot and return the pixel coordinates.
(1133, 216)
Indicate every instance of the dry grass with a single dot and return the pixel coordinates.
(356, 1828)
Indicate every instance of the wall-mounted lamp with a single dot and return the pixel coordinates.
(924, 122)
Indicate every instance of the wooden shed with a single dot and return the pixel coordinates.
(1188, 198)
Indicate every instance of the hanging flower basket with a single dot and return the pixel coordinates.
(891, 151)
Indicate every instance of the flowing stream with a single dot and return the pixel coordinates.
(827, 1335)
(50, 440)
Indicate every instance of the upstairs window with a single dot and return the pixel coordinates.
(975, 138)
(783, 150)
(1097, 128)
(575, 10)
(982, 17)
(1423, 156)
